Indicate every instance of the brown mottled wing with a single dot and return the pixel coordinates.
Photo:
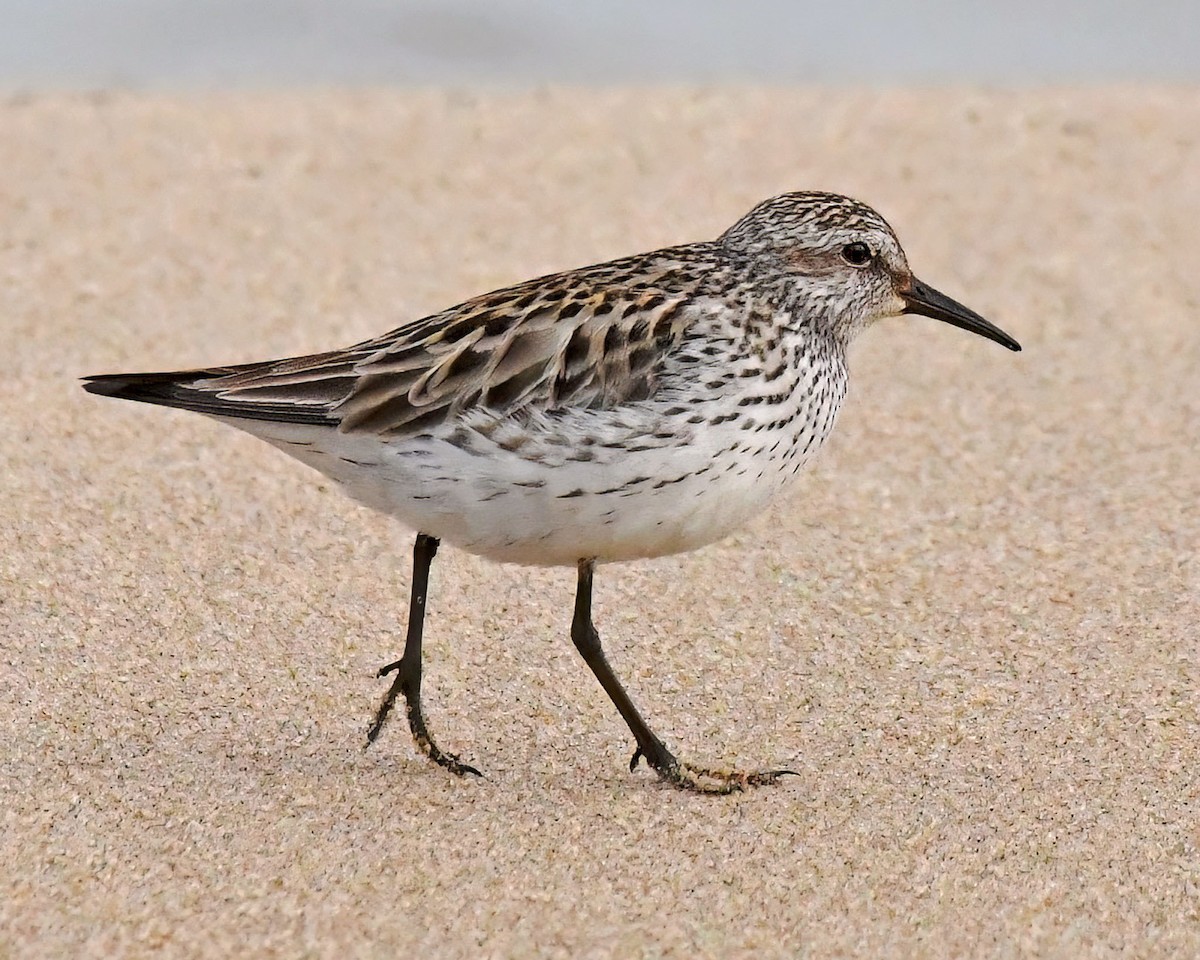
(591, 338)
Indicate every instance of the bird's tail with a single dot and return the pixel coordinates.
(216, 391)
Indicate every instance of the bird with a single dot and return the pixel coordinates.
(636, 408)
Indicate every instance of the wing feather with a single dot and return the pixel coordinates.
(593, 338)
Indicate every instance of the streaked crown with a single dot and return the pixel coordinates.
(807, 220)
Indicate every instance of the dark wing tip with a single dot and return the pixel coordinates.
(147, 387)
(111, 385)
(104, 386)
(165, 389)
(178, 390)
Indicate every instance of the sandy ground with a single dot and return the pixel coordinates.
(972, 630)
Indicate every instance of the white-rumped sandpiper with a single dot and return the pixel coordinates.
(636, 408)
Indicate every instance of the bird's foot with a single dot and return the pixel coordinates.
(416, 724)
(685, 776)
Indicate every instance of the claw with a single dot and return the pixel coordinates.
(633, 761)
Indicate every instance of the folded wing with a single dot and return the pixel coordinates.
(588, 338)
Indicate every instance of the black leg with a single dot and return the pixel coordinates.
(649, 746)
(408, 667)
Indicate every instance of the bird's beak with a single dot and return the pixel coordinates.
(923, 299)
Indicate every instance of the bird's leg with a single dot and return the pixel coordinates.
(408, 667)
(653, 750)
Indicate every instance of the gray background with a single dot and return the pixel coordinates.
(189, 44)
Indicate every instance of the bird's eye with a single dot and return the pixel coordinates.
(857, 254)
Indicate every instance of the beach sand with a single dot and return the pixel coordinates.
(972, 629)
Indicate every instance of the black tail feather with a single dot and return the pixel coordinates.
(176, 389)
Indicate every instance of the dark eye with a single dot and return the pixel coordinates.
(857, 254)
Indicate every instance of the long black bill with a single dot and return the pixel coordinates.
(923, 299)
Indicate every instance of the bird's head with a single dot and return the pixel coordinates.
(844, 265)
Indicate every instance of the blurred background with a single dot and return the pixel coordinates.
(197, 44)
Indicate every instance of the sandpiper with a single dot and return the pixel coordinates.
(636, 408)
